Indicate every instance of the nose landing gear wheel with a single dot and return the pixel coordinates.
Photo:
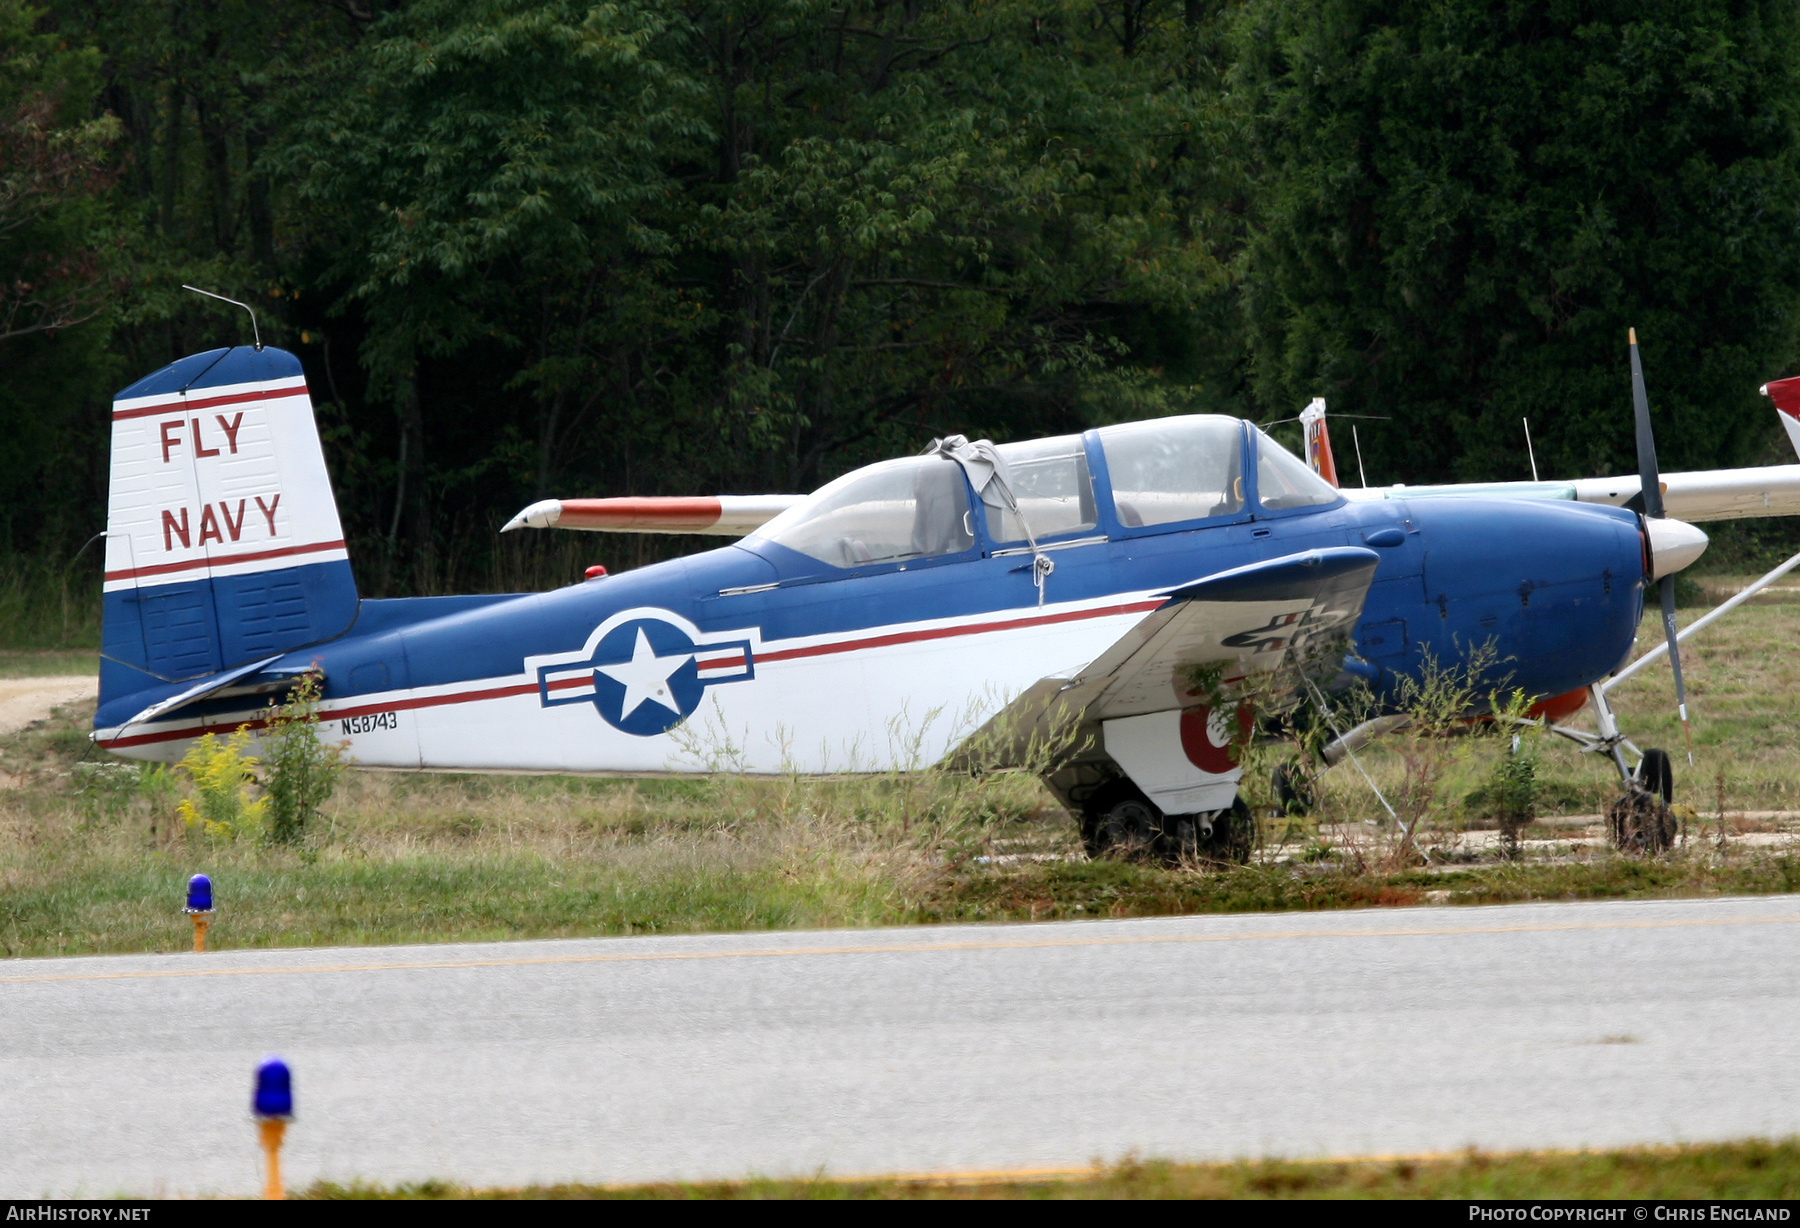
(1639, 821)
(1656, 774)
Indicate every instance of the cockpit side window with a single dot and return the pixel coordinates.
(1284, 481)
(1050, 480)
(1171, 469)
(897, 510)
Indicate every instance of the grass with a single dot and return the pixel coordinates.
(1741, 1170)
(91, 859)
(48, 662)
(49, 599)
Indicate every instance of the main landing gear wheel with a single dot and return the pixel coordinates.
(1639, 821)
(1119, 821)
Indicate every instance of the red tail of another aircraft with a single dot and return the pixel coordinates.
(1318, 441)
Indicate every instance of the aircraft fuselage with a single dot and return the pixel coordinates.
(756, 657)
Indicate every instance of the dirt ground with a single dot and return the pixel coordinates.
(24, 700)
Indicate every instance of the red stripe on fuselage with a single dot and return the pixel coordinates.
(943, 633)
(507, 692)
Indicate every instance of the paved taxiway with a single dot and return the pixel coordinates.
(944, 1049)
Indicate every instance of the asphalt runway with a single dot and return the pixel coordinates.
(953, 1049)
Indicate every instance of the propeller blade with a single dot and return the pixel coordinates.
(1649, 478)
(1650, 484)
(1667, 587)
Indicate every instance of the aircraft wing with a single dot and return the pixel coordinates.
(1705, 494)
(1708, 494)
(1264, 622)
(713, 515)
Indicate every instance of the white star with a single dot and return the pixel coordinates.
(646, 677)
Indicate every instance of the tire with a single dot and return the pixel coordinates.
(1656, 774)
(1120, 821)
(1639, 822)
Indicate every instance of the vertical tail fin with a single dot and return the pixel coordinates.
(1318, 441)
(1786, 395)
(223, 544)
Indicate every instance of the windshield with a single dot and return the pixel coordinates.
(1049, 478)
(900, 509)
(1173, 469)
(1285, 481)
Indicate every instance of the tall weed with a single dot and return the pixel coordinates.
(300, 771)
(221, 777)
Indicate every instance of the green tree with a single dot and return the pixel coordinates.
(1461, 206)
(737, 244)
(59, 262)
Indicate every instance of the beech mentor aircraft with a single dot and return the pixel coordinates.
(1086, 606)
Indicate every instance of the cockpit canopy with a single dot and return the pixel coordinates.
(1164, 471)
(1172, 469)
(898, 509)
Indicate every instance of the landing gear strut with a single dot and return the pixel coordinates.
(1638, 820)
(1119, 821)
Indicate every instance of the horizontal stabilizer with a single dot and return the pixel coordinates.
(713, 515)
(198, 691)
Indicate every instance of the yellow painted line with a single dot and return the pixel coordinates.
(907, 948)
(973, 1177)
(1099, 1171)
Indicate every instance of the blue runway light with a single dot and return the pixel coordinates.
(273, 1105)
(274, 1090)
(199, 897)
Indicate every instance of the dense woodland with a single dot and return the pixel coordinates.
(549, 246)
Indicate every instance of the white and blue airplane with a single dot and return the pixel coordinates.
(1094, 594)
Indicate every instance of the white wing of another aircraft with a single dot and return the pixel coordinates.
(712, 515)
(1708, 494)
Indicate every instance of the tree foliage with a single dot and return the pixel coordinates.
(1462, 207)
(528, 247)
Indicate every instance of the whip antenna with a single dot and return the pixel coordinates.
(254, 331)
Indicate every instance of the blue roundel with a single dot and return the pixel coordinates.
(646, 679)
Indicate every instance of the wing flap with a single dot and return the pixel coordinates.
(1249, 622)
